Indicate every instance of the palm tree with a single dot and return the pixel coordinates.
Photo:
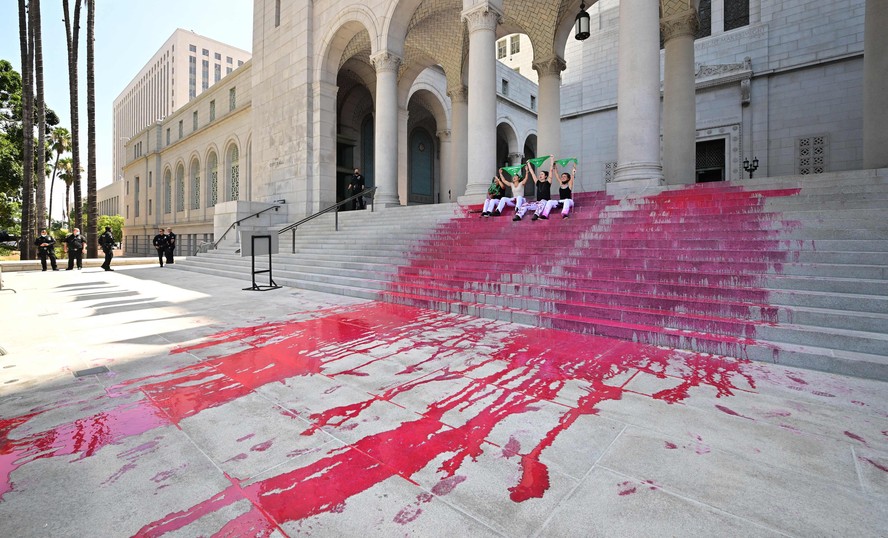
(72, 35)
(92, 239)
(65, 168)
(61, 144)
(25, 42)
(40, 187)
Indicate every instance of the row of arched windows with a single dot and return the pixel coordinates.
(177, 188)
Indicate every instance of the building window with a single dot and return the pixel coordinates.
(811, 154)
(240, 63)
(500, 49)
(232, 99)
(736, 14)
(192, 77)
(217, 73)
(194, 121)
(213, 176)
(150, 208)
(515, 44)
(205, 75)
(181, 128)
(277, 13)
(234, 178)
(218, 56)
(192, 48)
(212, 110)
(229, 60)
(610, 168)
(168, 136)
(505, 87)
(180, 188)
(167, 193)
(533, 102)
(149, 180)
(135, 196)
(195, 185)
(205, 52)
(228, 70)
(704, 13)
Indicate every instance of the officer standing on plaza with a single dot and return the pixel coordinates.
(46, 246)
(355, 186)
(159, 242)
(170, 245)
(76, 243)
(106, 241)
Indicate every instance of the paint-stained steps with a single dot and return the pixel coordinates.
(790, 270)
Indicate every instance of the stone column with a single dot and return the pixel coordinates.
(459, 129)
(549, 113)
(386, 128)
(875, 85)
(679, 99)
(638, 99)
(515, 158)
(481, 151)
(447, 166)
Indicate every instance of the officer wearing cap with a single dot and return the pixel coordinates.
(106, 241)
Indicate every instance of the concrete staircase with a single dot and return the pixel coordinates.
(788, 270)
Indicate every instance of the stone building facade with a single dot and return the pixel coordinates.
(410, 91)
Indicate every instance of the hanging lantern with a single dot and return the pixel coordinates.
(582, 24)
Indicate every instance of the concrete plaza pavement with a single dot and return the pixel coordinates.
(286, 413)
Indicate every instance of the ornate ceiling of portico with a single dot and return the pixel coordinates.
(437, 34)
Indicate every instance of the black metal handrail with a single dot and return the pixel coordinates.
(233, 224)
(335, 208)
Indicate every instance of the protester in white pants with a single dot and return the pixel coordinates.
(494, 193)
(517, 199)
(565, 190)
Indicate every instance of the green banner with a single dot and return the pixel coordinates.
(564, 162)
(512, 170)
(538, 161)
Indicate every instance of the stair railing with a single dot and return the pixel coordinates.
(204, 246)
(371, 192)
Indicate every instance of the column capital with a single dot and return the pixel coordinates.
(683, 24)
(444, 135)
(385, 61)
(483, 17)
(550, 66)
(459, 94)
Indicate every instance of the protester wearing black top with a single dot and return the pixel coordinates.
(46, 245)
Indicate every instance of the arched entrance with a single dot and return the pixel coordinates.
(421, 162)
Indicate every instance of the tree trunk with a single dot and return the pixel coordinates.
(40, 184)
(72, 35)
(92, 237)
(27, 131)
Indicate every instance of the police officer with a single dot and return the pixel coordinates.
(46, 247)
(159, 242)
(76, 243)
(106, 241)
(170, 245)
(355, 186)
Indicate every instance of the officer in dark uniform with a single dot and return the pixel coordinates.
(355, 186)
(170, 245)
(76, 243)
(106, 241)
(46, 248)
(159, 243)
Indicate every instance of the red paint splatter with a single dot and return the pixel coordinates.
(824, 394)
(855, 437)
(856, 402)
(671, 446)
(262, 447)
(446, 485)
(511, 448)
(875, 464)
(626, 488)
(729, 411)
(798, 380)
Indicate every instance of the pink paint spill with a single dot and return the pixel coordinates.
(670, 446)
(798, 380)
(875, 464)
(519, 377)
(728, 411)
(626, 488)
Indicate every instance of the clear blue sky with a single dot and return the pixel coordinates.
(128, 33)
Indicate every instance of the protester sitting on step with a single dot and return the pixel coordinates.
(517, 199)
(565, 188)
(494, 193)
(543, 186)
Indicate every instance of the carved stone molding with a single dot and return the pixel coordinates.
(550, 66)
(444, 135)
(459, 95)
(720, 74)
(481, 18)
(385, 61)
(684, 24)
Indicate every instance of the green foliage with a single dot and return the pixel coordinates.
(116, 224)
